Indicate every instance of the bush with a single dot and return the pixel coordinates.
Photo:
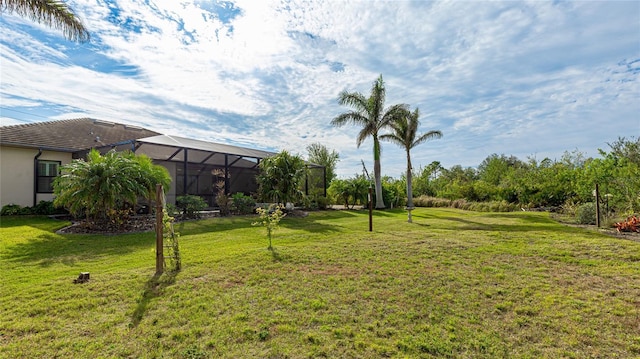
(586, 213)
(243, 204)
(190, 206)
(492, 206)
(224, 202)
(10, 210)
(322, 202)
(428, 201)
(47, 208)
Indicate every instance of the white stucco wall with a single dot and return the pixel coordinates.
(17, 174)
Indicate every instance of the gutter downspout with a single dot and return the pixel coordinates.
(35, 176)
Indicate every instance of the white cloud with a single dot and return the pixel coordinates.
(522, 78)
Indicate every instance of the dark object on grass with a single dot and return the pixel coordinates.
(82, 278)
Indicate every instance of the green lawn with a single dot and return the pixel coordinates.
(452, 284)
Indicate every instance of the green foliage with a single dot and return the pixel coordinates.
(225, 203)
(106, 185)
(586, 213)
(243, 204)
(190, 206)
(490, 206)
(394, 191)
(42, 208)
(269, 219)
(281, 177)
(173, 259)
(10, 210)
(542, 184)
(320, 202)
(349, 192)
(321, 155)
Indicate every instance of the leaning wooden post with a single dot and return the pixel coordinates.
(159, 231)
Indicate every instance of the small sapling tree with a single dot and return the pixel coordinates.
(269, 219)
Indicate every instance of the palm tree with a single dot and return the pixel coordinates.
(53, 13)
(370, 114)
(404, 134)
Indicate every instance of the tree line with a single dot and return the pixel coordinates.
(531, 183)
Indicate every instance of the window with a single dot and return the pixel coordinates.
(47, 171)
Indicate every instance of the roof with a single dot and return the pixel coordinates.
(174, 148)
(70, 135)
(183, 142)
(85, 133)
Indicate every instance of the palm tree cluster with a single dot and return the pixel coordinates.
(104, 188)
(370, 114)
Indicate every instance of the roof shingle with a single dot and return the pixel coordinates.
(70, 135)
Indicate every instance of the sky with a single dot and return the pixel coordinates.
(528, 79)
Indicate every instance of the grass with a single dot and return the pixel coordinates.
(452, 284)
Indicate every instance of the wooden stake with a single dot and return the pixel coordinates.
(159, 230)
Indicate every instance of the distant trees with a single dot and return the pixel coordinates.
(370, 114)
(321, 155)
(547, 183)
(280, 178)
(53, 13)
(404, 133)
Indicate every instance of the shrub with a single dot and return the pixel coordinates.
(10, 210)
(243, 204)
(322, 202)
(190, 206)
(586, 213)
(224, 203)
(428, 201)
(47, 208)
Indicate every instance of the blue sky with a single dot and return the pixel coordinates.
(530, 79)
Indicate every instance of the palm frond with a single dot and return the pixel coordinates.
(426, 137)
(52, 13)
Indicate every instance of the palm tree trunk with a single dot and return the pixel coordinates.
(376, 173)
(409, 188)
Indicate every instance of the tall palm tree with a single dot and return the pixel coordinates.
(404, 133)
(370, 114)
(53, 13)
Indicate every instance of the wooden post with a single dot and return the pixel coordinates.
(597, 206)
(159, 230)
(370, 209)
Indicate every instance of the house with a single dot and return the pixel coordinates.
(31, 156)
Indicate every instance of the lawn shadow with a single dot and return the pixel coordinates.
(319, 221)
(523, 223)
(211, 225)
(152, 289)
(50, 248)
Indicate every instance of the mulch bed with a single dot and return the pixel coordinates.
(138, 224)
(133, 225)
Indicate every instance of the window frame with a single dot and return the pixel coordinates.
(39, 176)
